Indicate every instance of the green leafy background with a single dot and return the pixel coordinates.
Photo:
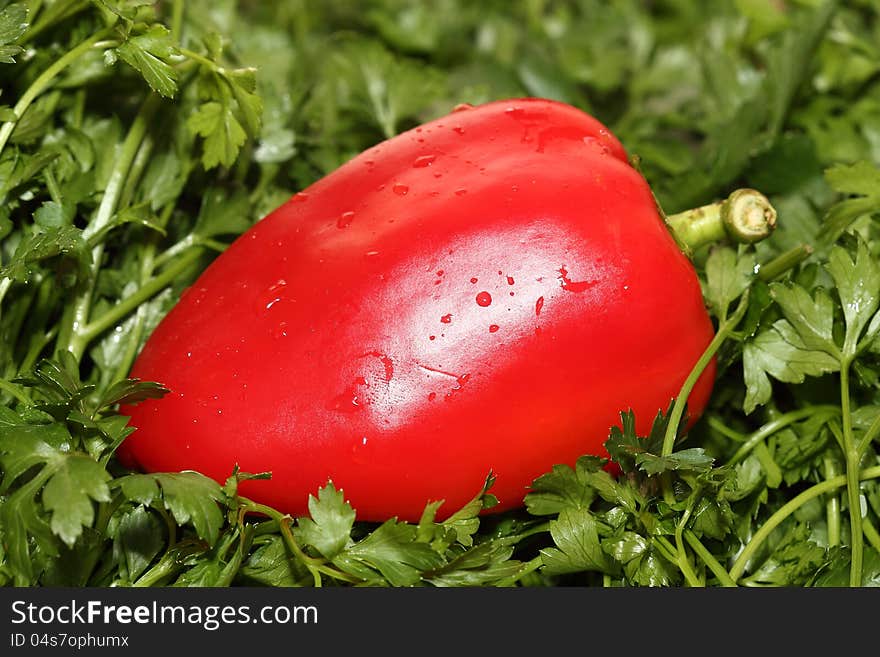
(138, 139)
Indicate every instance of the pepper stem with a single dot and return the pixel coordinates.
(746, 216)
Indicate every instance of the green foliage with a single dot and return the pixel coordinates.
(13, 23)
(137, 139)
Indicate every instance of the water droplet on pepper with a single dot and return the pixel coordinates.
(424, 161)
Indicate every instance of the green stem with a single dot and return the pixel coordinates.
(684, 563)
(136, 170)
(315, 565)
(166, 567)
(871, 534)
(52, 185)
(666, 549)
(76, 318)
(746, 216)
(177, 20)
(709, 559)
(783, 262)
(869, 436)
(186, 243)
(147, 268)
(777, 424)
(675, 416)
(832, 505)
(15, 391)
(731, 434)
(772, 471)
(669, 552)
(32, 329)
(43, 82)
(5, 284)
(130, 352)
(122, 166)
(531, 531)
(852, 459)
(681, 400)
(37, 344)
(201, 59)
(130, 303)
(786, 510)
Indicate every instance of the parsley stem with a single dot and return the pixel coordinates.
(122, 167)
(868, 530)
(724, 330)
(130, 303)
(146, 271)
(52, 185)
(136, 170)
(201, 59)
(832, 506)
(853, 459)
(37, 344)
(129, 353)
(185, 243)
(5, 284)
(177, 19)
(869, 436)
(708, 558)
(678, 407)
(678, 559)
(783, 262)
(683, 561)
(73, 335)
(742, 561)
(731, 434)
(45, 79)
(166, 566)
(15, 391)
(871, 534)
(316, 566)
(777, 424)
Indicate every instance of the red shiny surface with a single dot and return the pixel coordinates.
(485, 292)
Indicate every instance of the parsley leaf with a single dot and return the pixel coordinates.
(781, 353)
(859, 183)
(223, 134)
(77, 481)
(727, 276)
(858, 284)
(149, 54)
(189, 496)
(329, 527)
(576, 533)
(13, 23)
(51, 490)
(392, 551)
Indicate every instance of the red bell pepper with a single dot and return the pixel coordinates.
(485, 292)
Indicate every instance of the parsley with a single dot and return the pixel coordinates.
(137, 140)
